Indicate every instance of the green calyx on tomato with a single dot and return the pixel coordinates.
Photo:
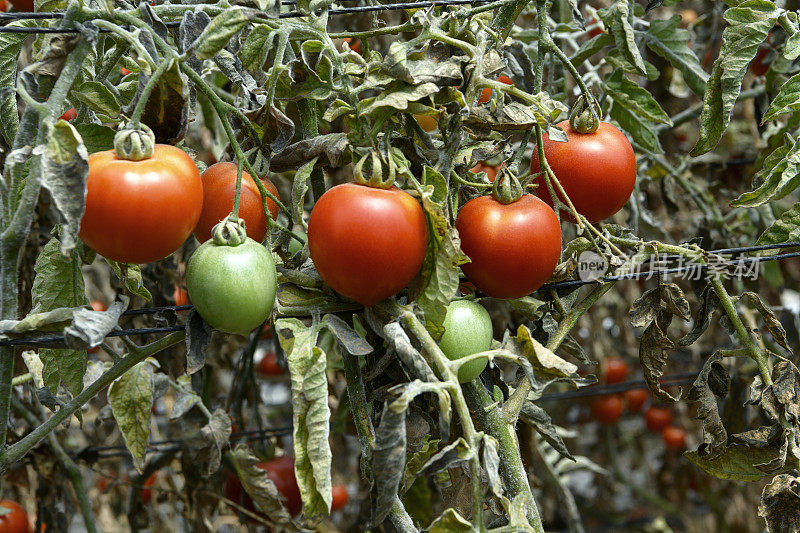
(366, 243)
(467, 331)
(395, 162)
(141, 211)
(506, 188)
(134, 143)
(584, 116)
(596, 170)
(231, 280)
(513, 248)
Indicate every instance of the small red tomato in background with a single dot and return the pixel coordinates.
(657, 418)
(597, 170)
(268, 365)
(16, 520)
(615, 370)
(219, 186)
(147, 494)
(281, 472)
(3, 6)
(340, 496)
(367, 243)
(596, 30)
(636, 399)
(180, 296)
(97, 305)
(608, 409)
(24, 6)
(69, 114)
(354, 44)
(483, 166)
(124, 71)
(513, 248)
(674, 437)
(758, 66)
(486, 93)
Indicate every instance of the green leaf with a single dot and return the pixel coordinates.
(58, 282)
(785, 229)
(131, 277)
(96, 137)
(131, 399)
(672, 43)
(786, 101)
(310, 413)
(617, 19)
(256, 47)
(450, 522)
(222, 28)
(299, 189)
(398, 95)
(591, 47)
(635, 99)
(735, 462)
(98, 97)
(10, 46)
(749, 24)
(545, 363)
(64, 170)
(641, 131)
(779, 176)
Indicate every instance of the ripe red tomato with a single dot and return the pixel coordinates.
(268, 366)
(69, 114)
(597, 170)
(355, 44)
(615, 370)
(281, 471)
(674, 437)
(340, 496)
(24, 6)
(124, 71)
(657, 418)
(597, 30)
(147, 494)
(483, 166)
(486, 92)
(608, 409)
(219, 185)
(367, 243)
(141, 211)
(16, 521)
(636, 399)
(3, 6)
(97, 305)
(514, 247)
(758, 66)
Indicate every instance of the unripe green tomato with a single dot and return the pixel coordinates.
(232, 287)
(468, 330)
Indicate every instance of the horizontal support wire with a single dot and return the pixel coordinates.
(59, 339)
(285, 15)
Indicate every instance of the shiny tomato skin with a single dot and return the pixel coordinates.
(219, 186)
(141, 211)
(467, 330)
(367, 243)
(657, 418)
(615, 370)
(483, 166)
(16, 521)
(674, 437)
(24, 6)
(232, 287)
(608, 409)
(340, 497)
(69, 114)
(597, 170)
(486, 93)
(636, 398)
(513, 248)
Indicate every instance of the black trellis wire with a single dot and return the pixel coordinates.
(290, 14)
(50, 340)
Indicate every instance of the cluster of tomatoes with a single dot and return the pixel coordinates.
(608, 409)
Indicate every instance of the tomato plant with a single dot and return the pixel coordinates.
(219, 185)
(140, 211)
(467, 331)
(367, 243)
(513, 248)
(657, 418)
(597, 170)
(608, 409)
